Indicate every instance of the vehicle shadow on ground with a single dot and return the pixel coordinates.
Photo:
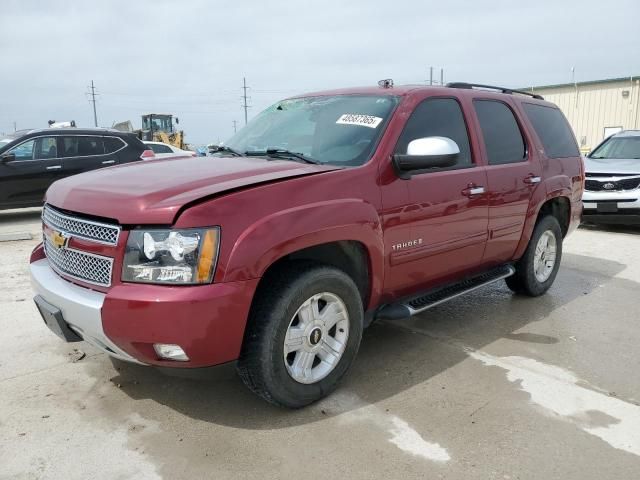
(393, 356)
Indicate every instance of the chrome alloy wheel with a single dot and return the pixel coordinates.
(316, 338)
(544, 258)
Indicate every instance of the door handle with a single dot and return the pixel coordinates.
(473, 190)
(108, 162)
(531, 179)
(54, 167)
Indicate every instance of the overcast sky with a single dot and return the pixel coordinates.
(188, 57)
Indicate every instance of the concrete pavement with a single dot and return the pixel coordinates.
(487, 386)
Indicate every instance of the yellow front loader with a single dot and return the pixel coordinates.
(157, 127)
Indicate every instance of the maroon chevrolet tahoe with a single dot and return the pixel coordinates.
(326, 212)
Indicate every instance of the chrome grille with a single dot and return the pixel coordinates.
(616, 185)
(80, 227)
(84, 266)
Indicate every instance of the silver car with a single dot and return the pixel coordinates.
(612, 187)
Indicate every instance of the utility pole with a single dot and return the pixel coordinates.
(93, 100)
(15, 129)
(235, 126)
(431, 76)
(244, 98)
(575, 85)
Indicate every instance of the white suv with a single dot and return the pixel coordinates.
(612, 187)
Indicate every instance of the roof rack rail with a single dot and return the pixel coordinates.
(491, 87)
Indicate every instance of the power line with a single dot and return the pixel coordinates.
(245, 105)
(93, 94)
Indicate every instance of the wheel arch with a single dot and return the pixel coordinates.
(349, 256)
(558, 206)
(344, 233)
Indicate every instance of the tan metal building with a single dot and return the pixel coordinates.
(598, 108)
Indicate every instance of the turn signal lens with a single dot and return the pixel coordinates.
(207, 255)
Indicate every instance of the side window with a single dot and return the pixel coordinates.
(553, 130)
(112, 144)
(24, 151)
(160, 148)
(438, 117)
(80, 146)
(502, 136)
(45, 148)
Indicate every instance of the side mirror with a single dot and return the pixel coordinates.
(425, 153)
(7, 157)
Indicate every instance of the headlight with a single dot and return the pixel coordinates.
(171, 256)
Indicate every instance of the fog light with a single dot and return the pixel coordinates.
(170, 352)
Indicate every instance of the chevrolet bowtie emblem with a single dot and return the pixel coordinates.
(59, 239)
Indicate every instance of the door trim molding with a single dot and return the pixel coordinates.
(425, 251)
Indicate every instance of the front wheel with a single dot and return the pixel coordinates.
(538, 267)
(304, 332)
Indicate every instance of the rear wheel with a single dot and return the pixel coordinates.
(303, 334)
(538, 267)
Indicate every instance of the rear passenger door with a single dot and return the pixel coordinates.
(113, 148)
(82, 153)
(513, 172)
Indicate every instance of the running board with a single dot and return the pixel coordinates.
(425, 301)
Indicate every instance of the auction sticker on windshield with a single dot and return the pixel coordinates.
(362, 120)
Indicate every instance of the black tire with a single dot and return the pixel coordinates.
(262, 365)
(524, 281)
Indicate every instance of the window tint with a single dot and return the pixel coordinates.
(82, 146)
(112, 144)
(159, 148)
(502, 137)
(46, 147)
(23, 151)
(437, 117)
(553, 131)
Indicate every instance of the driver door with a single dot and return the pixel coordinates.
(440, 233)
(25, 179)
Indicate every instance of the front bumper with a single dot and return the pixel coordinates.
(207, 321)
(619, 207)
(80, 307)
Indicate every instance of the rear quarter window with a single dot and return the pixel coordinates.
(113, 144)
(552, 130)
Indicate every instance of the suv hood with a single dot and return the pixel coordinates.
(152, 192)
(624, 166)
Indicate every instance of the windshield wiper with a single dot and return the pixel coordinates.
(225, 149)
(283, 153)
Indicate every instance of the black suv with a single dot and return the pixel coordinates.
(32, 162)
